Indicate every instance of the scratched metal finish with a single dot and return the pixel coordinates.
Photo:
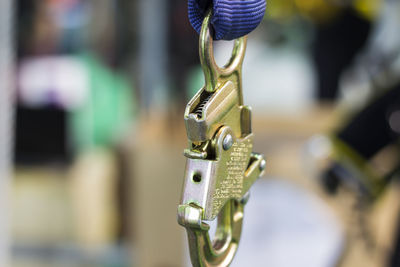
(235, 165)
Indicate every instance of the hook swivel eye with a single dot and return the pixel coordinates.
(214, 74)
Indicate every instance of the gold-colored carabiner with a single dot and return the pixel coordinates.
(221, 166)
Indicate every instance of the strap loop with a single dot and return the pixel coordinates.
(231, 19)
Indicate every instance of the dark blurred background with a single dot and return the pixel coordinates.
(92, 96)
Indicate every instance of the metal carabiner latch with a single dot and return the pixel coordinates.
(221, 166)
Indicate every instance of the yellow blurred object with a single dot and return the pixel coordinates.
(325, 10)
(67, 205)
(41, 209)
(93, 182)
(318, 10)
(281, 10)
(368, 8)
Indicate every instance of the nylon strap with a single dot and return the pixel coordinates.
(231, 19)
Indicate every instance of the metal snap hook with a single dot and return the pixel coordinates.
(221, 165)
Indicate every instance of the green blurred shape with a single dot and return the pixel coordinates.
(109, 111)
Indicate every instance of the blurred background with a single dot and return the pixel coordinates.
(92, 96)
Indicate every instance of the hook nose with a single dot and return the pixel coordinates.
(221, 251)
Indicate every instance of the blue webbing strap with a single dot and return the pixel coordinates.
(231, 18)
